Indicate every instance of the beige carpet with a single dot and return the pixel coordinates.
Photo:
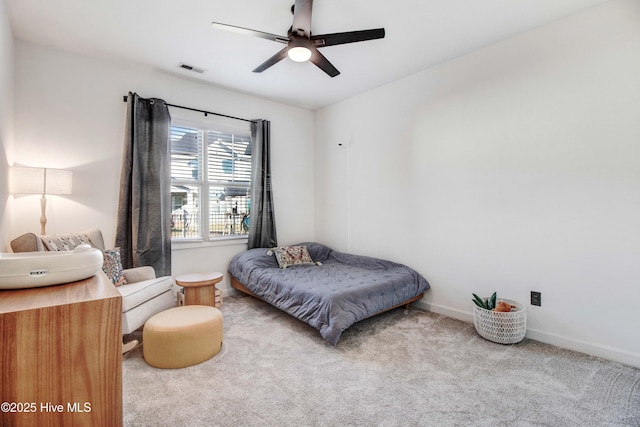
(401, 368)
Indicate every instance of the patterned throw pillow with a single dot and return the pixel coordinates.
(64, 242)
(292, 255)
(112, 266)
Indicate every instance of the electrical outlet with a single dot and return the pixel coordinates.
(536, 298)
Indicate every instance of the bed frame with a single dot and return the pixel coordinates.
(235, 283)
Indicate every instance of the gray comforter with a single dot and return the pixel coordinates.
(330, 297)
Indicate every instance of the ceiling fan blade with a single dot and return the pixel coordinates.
(271, 61)
(248, 32)
(302, 18)
(323, 63)
(348, 37)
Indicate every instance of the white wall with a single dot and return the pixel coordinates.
(69, 113)
(6, 118)
(511, 169)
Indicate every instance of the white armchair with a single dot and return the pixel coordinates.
(144, 294)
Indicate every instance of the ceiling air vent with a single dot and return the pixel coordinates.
(191, 68)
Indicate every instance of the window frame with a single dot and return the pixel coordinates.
(202, 182)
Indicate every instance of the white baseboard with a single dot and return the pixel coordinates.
(545, 337)
(445, 311)
(585, 347)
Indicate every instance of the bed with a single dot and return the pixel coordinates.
(326, 289)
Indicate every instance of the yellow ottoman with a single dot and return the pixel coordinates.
(182, 336)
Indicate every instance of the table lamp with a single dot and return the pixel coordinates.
(26, 180)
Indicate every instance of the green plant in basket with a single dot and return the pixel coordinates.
(486, 303)
(492, 304)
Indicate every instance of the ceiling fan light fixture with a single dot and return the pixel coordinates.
(301, 45)
(299, 54)
(299, 49)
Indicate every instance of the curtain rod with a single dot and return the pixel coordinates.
(199, 111)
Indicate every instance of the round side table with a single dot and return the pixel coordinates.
(200, 288)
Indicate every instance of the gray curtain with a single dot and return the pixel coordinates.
(262, 228)
(143, 231)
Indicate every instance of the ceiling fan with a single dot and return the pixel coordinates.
(301, 44)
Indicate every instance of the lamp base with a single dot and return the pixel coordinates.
(43, 216)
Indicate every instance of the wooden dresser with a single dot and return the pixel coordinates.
(61, 355)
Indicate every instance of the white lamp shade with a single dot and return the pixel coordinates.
(58, 181)
(25, 180)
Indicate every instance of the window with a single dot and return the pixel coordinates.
(210, 180)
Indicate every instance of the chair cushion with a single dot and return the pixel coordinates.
(138, 274)
(134, 294)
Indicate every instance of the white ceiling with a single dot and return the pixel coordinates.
(164, 33)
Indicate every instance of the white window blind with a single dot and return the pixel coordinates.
(211, 178)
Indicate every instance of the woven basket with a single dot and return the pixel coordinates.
(501, 328)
